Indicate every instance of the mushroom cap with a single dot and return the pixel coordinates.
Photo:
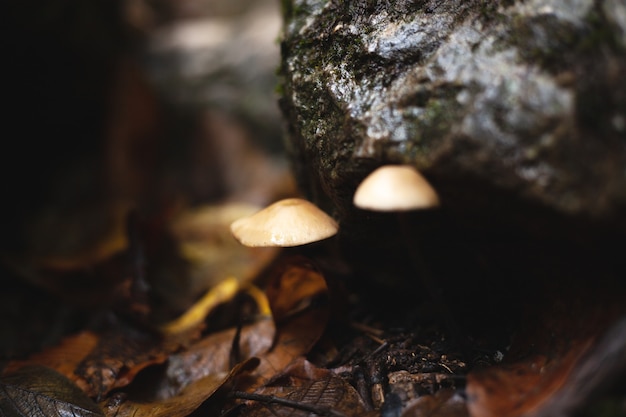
(395, 188)
(288, 222)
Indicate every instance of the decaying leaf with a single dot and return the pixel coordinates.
(37, 391)
(444, 403)
(304, 390)
(63, 358)
(180, 405)
(212, 355)
(117, 358)
(98, 363)
(515, 389)
(300, 321)
(275, 345)
(596, 383)
(295, 283)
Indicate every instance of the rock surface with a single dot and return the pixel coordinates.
(516, 111)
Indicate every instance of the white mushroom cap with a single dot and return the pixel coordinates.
(395, 188)
(289, 222)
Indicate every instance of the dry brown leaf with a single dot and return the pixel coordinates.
(444, 403)
(37, 391)
(64, 358)
(117, 359)
(596, 385)
(300, 321)
(212, 354)
(295, 338)
(308, 390)
(295, 283)
(515, 389)
(99, 363)
(180, 405)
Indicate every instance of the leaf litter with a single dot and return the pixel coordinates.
(296, 349)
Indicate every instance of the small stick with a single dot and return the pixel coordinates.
(376, 351)
(270, 399)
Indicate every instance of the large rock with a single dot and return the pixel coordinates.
(525, 101)
(514, 110)
(526, 97)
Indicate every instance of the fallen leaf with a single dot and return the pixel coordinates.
(304, 390)
(444, 403)
(211, 355)
(515, 389)
(295, 283)
(99, 363)
(294, 294)
(63, 358)
(596, 381)
(117, 358)
(37, 391)
(275, 347)
(180, 405)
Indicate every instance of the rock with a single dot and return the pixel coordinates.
(502, 105)
(515, 111)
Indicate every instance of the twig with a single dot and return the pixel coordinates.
(384, 345)
(270, 399)
(371, 332)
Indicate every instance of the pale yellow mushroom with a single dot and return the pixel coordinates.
(395, 188)
(285, 223)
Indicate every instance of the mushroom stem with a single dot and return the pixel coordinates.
(421, 268)
(401, 188)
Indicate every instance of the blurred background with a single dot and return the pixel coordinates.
(135, 102)
(125, 116)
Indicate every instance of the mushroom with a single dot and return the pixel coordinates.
(401, 188)
(285, 223)
(395, 188)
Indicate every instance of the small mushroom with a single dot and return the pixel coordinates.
(401, 188)
(395, 188)
(285, 223)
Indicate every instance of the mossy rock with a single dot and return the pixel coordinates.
(514, 110)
